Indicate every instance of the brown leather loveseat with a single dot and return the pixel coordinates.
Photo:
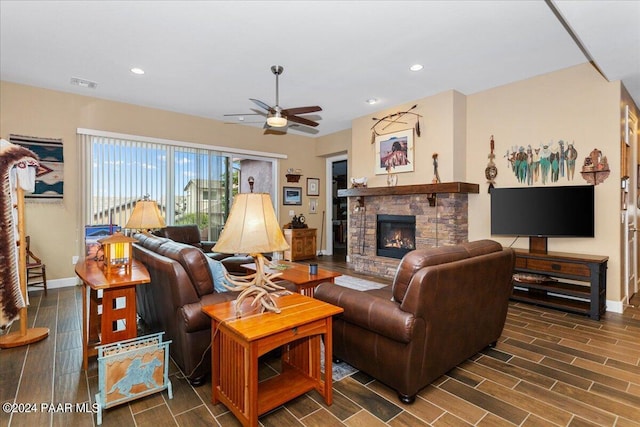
(188, 233)
(445, 305)
(181, 283)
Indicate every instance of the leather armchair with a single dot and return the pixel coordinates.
(445, 305)
(189, 234)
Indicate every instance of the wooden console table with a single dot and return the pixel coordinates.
(588, 297)
(118, 319)
(237, 343)
(302, 243)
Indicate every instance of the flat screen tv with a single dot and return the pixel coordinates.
(565, 211)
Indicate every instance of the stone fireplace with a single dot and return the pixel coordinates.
(440, 212)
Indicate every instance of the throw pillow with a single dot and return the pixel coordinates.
(218, 272)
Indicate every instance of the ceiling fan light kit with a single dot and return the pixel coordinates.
(276, 120)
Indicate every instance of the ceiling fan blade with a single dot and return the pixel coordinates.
(243, 114)
(274, 131)
(303, 129)
(263, 105)
(302, 121)
(301, 110)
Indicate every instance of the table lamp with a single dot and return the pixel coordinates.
(118, 253)
(252, 228)
(145, 216)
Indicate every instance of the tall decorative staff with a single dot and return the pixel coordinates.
(491, 171)
(17, 174)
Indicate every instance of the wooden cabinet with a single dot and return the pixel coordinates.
(302, 242)
(577, 283)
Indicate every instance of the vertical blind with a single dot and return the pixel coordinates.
(190, 185)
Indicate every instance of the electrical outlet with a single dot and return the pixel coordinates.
(74, 259)
(292, 212)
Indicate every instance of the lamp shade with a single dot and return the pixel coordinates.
(145, 216)
(252, 227)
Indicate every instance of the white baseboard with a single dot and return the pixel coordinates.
(61, 283)
(615, 306)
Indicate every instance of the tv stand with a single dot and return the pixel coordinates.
(583, 290)
(538, 244)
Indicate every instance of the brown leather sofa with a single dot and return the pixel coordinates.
(181, 283)
(445, 305)
(188, 233)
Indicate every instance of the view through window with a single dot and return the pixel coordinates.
(190, 185)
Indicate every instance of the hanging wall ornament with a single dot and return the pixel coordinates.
(491, 171)
(390, 119)
(595, 168)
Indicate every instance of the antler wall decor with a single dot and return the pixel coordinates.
(394, 119)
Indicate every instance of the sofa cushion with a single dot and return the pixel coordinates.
(194, 261)
(372, 310)
(218, 272)
(149, 241)
(419, 258)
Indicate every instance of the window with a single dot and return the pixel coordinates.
(191, 184)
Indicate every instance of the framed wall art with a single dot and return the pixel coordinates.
(292, 195)
(313, 186)
(394, 152)
(313, 206)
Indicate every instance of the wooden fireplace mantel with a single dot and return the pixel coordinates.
(445, 187)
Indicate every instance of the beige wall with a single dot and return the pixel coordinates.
(442, 131)
(26, 110)
(576, 104)
(334, 144)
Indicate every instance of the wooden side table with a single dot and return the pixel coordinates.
(118, 319)
(237, 343)
(299, 275)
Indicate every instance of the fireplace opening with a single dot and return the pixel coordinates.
(396, 235)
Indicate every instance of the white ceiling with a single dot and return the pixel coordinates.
(207, 58)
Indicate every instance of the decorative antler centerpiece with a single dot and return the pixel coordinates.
(256, 285)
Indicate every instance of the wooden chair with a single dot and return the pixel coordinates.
(36, 270)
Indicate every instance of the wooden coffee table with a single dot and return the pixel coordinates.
(298, 274)
(237, 343)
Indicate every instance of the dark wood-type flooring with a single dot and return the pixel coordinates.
(549, 368)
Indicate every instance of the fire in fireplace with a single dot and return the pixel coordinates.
(396, 235)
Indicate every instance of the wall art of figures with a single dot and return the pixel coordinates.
(543, 164)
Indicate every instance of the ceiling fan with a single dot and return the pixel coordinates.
(278, 117)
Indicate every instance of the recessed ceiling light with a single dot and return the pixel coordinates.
(137, 70)
(371, 101)
(416, 67)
